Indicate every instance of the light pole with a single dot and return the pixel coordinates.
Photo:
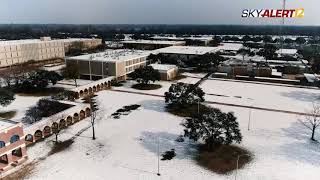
(158, 157)
(250, 111)
(235, 177)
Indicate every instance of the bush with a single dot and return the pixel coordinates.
(182, 95)
(44, 108)
(6, 97)
(214, 127)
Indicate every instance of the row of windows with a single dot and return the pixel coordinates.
(135, 61)
(13, 139)
(132, 68)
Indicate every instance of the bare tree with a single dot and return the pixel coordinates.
(312, 121)
(71, 71)
(94, 112)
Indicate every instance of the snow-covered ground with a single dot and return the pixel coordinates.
(20, 105)
(126, 148)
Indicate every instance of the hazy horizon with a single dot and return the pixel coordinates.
(148, 12)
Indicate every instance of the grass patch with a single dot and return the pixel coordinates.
(45, 92)
(187, 111)
(146, 86)
(60, 146)
(22, 172)
(117, 84)
(223, 159)
(8, 114)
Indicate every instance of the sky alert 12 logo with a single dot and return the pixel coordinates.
(273, 13)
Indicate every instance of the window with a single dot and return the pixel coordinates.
(2, 144)
(14, 138)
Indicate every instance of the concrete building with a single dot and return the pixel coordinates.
(185, 52)
(12, 145)
(167, 72)
(87, 43)
(116, 63)
(150, 45)
(204, 39)
(236, 67)
(20, 51)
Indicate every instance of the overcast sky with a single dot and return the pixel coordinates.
(148, 11)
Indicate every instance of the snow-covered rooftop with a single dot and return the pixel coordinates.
(230, 46)
(31, 41)
(153, 42)
(113, 55)
(163, 67)
(287, 51)
(191, 50)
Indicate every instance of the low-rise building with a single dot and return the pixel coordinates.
(116, 63)
(12, 145)
(150, 45)
(167, 72)
(235, 67)
(185, 52)
(87, 43)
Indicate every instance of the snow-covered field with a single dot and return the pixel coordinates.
(20, 105)
(126, 148)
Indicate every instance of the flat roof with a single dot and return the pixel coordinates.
(4, 124)
(163, 67)
(152, 42)
(287, 51)
(31, 41)
(201, 38)
(230, 46)
(189, 50)
(113, 55)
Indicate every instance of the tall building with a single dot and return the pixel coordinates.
(21, 51)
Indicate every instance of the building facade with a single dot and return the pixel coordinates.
(150, 45)
(167, 72)
(12, 145)
(116, 63)
(87, 43)
(21, 51)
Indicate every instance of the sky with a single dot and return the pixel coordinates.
(149, 11)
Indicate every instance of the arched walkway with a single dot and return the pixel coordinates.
(38, 135)
(94, 89)
(82, 114)
(76, 117)
(81, 93)
(90, 90)
(62, 124)
(55, 127)
(69, 121)
(86, 91)
(46, 131)
(28, 138)
(88, 112)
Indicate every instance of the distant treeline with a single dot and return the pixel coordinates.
(23, 31)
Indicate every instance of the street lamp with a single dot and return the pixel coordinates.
(235, 177)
